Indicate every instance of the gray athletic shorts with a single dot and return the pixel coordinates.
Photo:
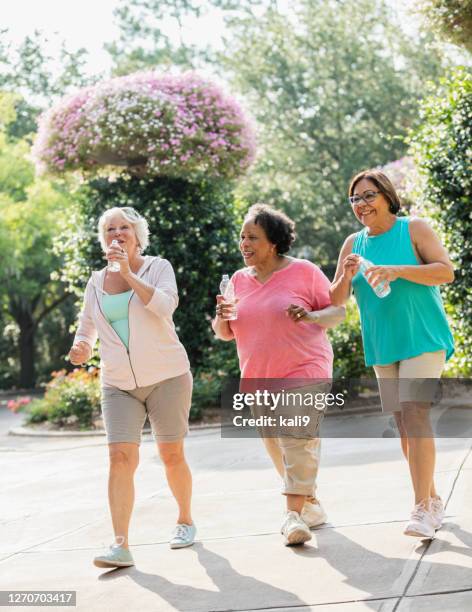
(166, 403)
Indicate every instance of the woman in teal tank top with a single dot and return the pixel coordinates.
(405, 334)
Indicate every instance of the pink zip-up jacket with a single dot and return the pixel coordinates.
(155, 352)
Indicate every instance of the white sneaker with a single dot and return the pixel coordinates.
(294, 529)
(313, 514)
(437, 510)
(422, 522)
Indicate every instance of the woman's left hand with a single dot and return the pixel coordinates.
(296, 313)
(378, 274)
(116, 253)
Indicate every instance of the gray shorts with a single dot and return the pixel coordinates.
(166, 403)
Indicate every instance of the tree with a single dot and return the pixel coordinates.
(451, 19)
(335, 87)
(441, 146)
(144, 41)
(31, 72)
(30, 211)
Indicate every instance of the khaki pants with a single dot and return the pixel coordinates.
(414, 380)
(297, 461)
(295, 452)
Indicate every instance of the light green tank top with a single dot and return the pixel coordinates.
(115, 308)
(410, 320)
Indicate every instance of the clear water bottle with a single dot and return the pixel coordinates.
(227, 291)
(383, 288)
(114, 266)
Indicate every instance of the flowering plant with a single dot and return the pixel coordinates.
(70, 398)
(18, 404)
(171, 125)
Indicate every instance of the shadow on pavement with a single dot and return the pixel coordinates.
(235, 590)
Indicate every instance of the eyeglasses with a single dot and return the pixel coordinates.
(368, 198)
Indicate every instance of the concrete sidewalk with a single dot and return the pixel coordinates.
(55, 518)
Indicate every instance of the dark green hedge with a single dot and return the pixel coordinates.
(443, 152)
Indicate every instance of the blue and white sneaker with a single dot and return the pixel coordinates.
(117, 556)
(183, 535)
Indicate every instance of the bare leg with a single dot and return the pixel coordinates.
(295, 502)
(405, 447)
(124, 459)
(179, 477)
(421, 449)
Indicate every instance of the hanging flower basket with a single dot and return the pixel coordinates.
(148, 124)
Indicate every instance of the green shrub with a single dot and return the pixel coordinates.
(70, 399)
(221, 364)
(347, 345)
(442, 150)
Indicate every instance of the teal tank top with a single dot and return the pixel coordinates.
(410, 320)
(115, 308)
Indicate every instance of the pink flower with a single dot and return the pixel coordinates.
(162, 116)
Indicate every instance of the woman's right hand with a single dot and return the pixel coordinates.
(80, 353)
(351, 266)
(223, 309)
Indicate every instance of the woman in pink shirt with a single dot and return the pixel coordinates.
(283, 308)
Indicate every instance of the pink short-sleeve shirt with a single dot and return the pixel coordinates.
(269, 343)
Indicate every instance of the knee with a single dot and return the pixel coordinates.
(121, 460)
(171, 458)
(416, 418)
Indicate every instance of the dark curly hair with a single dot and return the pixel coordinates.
(279, 228)
(383, 184)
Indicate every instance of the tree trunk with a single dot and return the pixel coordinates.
(27, 369)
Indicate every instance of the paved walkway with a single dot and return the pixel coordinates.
(54, 518)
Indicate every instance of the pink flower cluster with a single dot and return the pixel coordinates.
(18, 404)
(165, 124)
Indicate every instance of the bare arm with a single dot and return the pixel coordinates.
(348, 265)
(437, 268)
(327, 317)
(142, 289)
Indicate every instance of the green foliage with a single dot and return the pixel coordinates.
(452, 19)
(193, 225)
(39, 74)
(70, 399)
(221, 363)
(335, 87)
(348, 351)
(30, 213)
(442, 149)
(144, 42)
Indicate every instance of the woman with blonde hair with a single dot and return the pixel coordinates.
(145, 370)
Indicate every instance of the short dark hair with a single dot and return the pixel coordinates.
(383, 184)
(279, 228)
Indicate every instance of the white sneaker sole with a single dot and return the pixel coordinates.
(175, 546)
(315, 524)
(297, 536)
(111, 564)
(418, 534)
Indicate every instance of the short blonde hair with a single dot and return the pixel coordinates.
(139, 223)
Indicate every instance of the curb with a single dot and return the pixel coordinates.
(27, 432)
